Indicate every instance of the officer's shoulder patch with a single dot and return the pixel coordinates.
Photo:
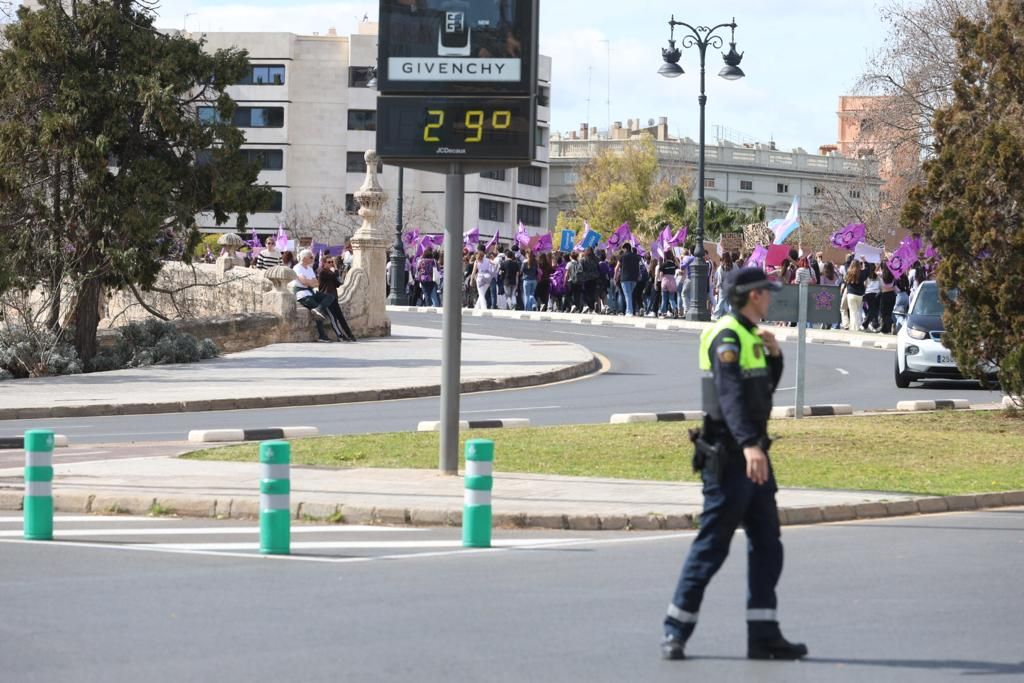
(727, 353)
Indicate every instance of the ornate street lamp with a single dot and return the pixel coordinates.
(396, 265)
(701, 37)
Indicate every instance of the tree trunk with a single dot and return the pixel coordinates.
(87, 318)
(53, 317)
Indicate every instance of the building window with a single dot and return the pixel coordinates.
(493, 175)
(542, 140)
(351, 205)
(263, 74)
(246, 117)
(355, 162)
(709, 183)
(491, 210)
(275, 204)
(543, 96)
(531, 175)
(782, 188)
(854, 194)
(362, 119)
(572, 177)
(747, 185)
(529, 215)
(268, 159)
(359, 76)
(818, 190)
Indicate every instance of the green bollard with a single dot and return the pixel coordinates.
(476, 512)
(39, 485)
(275, 487)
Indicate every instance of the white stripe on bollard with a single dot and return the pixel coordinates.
(479, 468)
(270, 501)
(39, 459)
(274, 471)
(38, 488)
(474, 497)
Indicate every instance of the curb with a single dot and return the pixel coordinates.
(679, 416)
(247, 508)
(784, 334)
(813, 411)
(940, 404)
(507, 423)
(102, 410)
(18, 442)
(221, 435)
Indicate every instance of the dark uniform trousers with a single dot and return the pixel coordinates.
(728, 504)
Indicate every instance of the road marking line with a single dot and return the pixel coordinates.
(581, 334)
(842, 372)
(786, 389)
(358, 545)
(206, 531)
(90, 518)
(530, 545)
(509, 410)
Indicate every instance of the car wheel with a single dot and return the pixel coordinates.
(902, 378)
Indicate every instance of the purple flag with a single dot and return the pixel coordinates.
(758, 257)
(930, 253)
(471, 239)
(428, 242)
(848, 237)
(254, 242)
(410, 238)
(621, 235)
(540, 244)
(318, 248)
(658, 248)
(911, 243)
(522, 237)
(493, 243)
(558, 281)
(282, 237)
(679, 239)
(903, 260)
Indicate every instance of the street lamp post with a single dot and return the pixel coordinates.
(701, 37)
(397, 265)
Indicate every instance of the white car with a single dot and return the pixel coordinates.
(920, 353)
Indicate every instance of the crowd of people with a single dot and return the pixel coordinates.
(629, 283)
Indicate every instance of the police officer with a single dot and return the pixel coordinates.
(741, 366)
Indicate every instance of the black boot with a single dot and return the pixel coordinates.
(673, 648)
(775, 648)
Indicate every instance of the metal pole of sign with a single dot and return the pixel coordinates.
(801, 349)
(451, 326)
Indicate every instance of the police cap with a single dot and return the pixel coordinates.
(743, 280)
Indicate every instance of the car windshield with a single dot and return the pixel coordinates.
(928, 302)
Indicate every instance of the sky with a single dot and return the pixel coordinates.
(799, 57)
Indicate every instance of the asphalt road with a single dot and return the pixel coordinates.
(928, 598)
(650, 371)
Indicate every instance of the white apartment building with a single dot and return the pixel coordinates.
(309, 116)
(738, 176)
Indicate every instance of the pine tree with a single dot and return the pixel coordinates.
(104, 163)
(971, 204)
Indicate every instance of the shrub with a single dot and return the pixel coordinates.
(153, 342)
(36, 352)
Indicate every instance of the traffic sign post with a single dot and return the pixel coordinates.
(457, 87)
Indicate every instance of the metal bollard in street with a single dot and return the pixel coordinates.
(275, 490)
(476, 513)
(39, 485)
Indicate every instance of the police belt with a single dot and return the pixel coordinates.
(716, 455)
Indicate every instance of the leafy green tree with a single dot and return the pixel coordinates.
(618, 185)
(972, 202)
(104, 161)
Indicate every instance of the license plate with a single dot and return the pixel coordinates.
(944, 360)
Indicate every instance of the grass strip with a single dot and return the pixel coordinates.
(933, 453)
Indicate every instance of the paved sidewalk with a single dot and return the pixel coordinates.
(405, 365)
(814, 336)
(403, 496)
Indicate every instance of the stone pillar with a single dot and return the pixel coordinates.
(363, 296)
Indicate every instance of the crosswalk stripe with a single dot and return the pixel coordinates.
(205, 531)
